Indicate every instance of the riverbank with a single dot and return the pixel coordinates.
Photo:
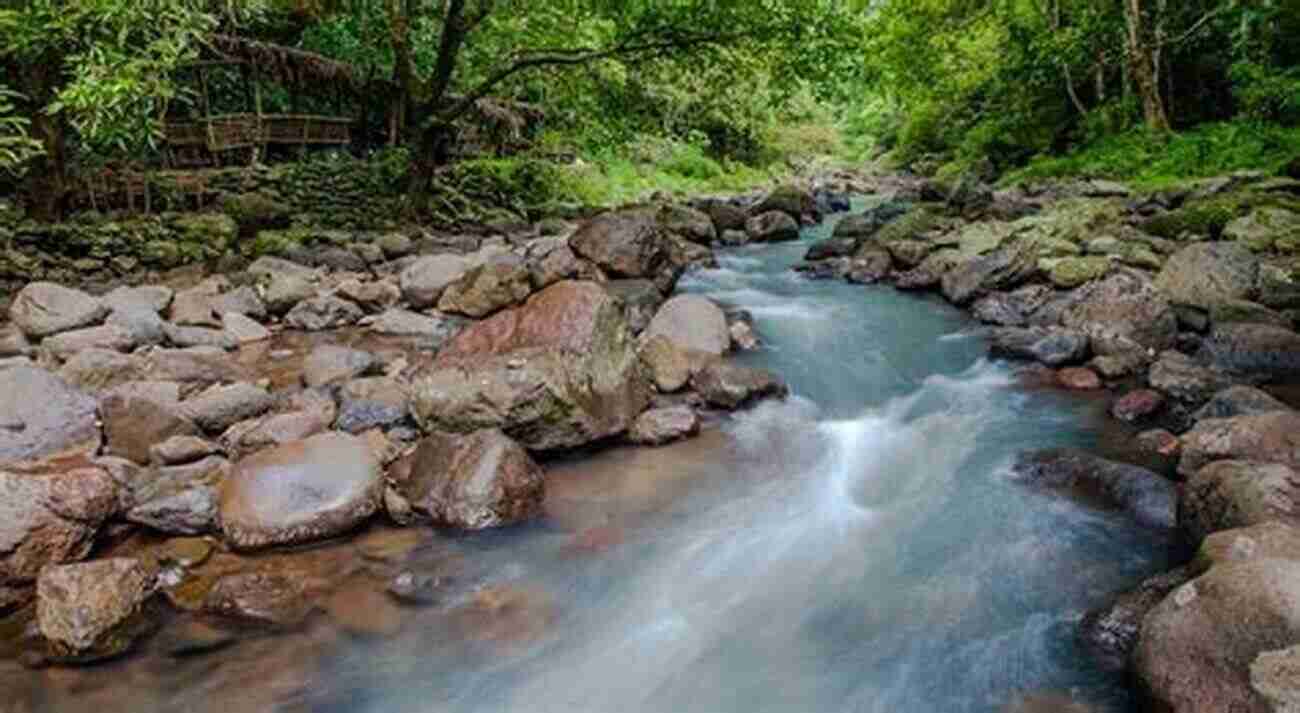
(188, 437)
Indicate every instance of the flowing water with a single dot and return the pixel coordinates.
(857, 548)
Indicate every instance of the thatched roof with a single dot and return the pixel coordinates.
(286, 63)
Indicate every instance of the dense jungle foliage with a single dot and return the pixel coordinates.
(619, 98)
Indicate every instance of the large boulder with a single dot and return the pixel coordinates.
(725, 385)
(1184, 380)
(48, 518)
(1258, 349)
(641, 301)
(41, 416)
(1053, 347)
(300, 492)
(1268, 437)
(558, 372)
(1149, 498)
(1111, 632)
(1239, 401)
(475, 481)
(424, 281)
(1229, 494)
(694, 225)
(1196, 647)
(1265, 229)
(1205, 274)
(664, 425)
(498, 283)
(627, 243)
(1003, 269)
(1011, 309)
(43, 308)
(1122, 314)
(92, 610)
(111, 337)
(772, 227)
(693, 323)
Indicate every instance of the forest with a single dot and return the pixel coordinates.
(602, 101)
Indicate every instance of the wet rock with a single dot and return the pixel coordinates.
(657, 427)
(371, 403)
(1053, 347)
(829, 248)
(92, 611)
(731, 386)
(772, 227)
(42, 309)
(870, 266)
(1259, 349)
(1079, 379)
(1205, 274)
(417, 589)
(1149, 498)
(626, 243)
(694, 225)
(49, 518)
(1196, 647)
(560, 371)
(139, 415)
(186, 337)
(284, 292)
(1011, 309)
(1111, 633)
(1122, 314)
(362, 609)
(1268, 437)
(910, 253)
(179, 450)
(243, 330)
(300, 492)
(321, 313)
(1137, 405)
(498, 283)
(191, 637)
(1239, 401)
(641, 300)
(1003, 269)
(329, 364)
(221, 407)
(743, 337)
(1184, 380)
(475, 481)
(789, 199)
(692, 323)
(1230, 494)
(725, 215)
(734, 238)
(43, 416)
(263, 598)
(106, 336)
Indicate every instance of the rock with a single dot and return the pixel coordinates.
(181, 511)
(101, 369)
(268, 267)
(474, 481)
(371, 403)
(1071, 272)
(870, 266)
(694, 225)
(361, 609)
(244, 301)
(416, 589)
(1184, 380)
(178, 450)
(789, 199)
(1118, 366)
(1239, 401)
(1079, 379)
(1196, 647)
(772, 227)
(423, 282)
(657, 427)
(93, 610)
(725, 215)
(734, 238)
(1053, 347)
(1275, 675)
(829, 248)
(626, 243)
(500, 282)
(329, 364)
(140, 415)
(731, 386)
(743, 337)
(1111, 633)
(432, 331)
(1002, 269)
(42, 309)
(341, 260)
(108, 337)
(1122, 314)
(43, 417)
(221, 407)
(1137, 405)
(1257, 349)
(693, 323)
(185, 337)
(198, 365)
(668, 365)
(300, 492)
(243, 330)
(641, 300)
(910, 253)
(263, 598)
(151, 298)
(1204, 274)
(1011, 309)
(1246, 311)
(194, 307)
(279, 429)
(321, 313)
(1160, 442)
(395, 245)
(13, 343)
(48, 518)
(558, 372)
(1230, 494)
(1264, 229)
(1149, 498)
(284, 292)
(1268, 541)
(1268, 437)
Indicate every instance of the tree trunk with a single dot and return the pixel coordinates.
(433, 152)
(45, 186)
(1142, 60)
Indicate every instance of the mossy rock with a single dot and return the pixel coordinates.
(912, 225)
(276, 242)
(1207, 218)
(214, 231)
(980, 238)
(1266, 229)
(255, 212)
(1140, 255)
(1075, 221)
(1070, 272)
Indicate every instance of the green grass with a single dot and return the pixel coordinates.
(1151, 161)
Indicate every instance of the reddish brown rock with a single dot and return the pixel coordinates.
(474, 482)
(1079, 379)
(1137, 405)
(92, 610)
(627, 243)
(659, 426)
(266, 598)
